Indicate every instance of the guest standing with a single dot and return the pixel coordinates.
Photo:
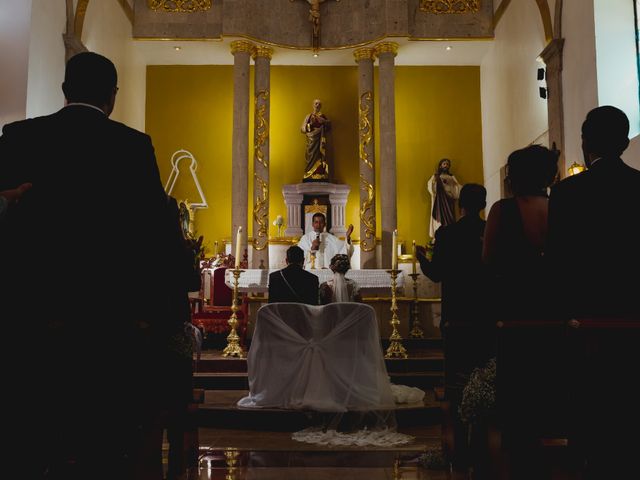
(95, 232)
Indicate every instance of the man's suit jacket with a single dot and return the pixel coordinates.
(303, 283)
(87, 257)
(457, 263)
(594, 240)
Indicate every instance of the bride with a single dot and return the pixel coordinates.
(339, 288)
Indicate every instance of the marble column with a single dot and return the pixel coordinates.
(552, 57)
(262, 58)
(241, 51)
(386, 53)
(364, 58)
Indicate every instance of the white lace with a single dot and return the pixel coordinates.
(377, 438)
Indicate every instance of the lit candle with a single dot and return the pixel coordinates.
(394, 250)
(238, 246)
(413, 251)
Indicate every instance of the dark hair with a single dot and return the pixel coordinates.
(473, 197)
(89, 78)
(318, 214)
(532, 169)
(340, 263)
(295, 255)
(442, 160)
(605, 131)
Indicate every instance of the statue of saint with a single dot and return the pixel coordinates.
(315, 127)
(444, 190)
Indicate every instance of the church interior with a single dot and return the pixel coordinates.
(222, 88)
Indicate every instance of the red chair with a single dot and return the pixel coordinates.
(212, 316)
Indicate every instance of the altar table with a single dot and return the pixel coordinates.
(370, 281)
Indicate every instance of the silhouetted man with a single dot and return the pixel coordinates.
(293, 283)
(594, 250)
(86, 257)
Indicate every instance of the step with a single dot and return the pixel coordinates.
(220, 410)
(212, 361)
(240, 381)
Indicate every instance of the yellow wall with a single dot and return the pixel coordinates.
(437, 115)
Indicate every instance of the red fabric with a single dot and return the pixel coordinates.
(221, 294)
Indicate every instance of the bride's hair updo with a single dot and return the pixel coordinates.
(340, 263)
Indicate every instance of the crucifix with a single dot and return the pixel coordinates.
(314, 18)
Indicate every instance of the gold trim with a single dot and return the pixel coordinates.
(449, 6)
(368, 219)
(242, 46)
(386, 47)
(263, 51)
(261, 128)
(180, 6)
(260, 215)
(284, 240)
(400, 299)
(364, 124)
(497, 16)
(78, 24)
(366, 53)
(545, 16)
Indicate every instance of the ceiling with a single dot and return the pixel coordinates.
(217, 52)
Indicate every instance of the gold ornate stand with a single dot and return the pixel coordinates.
(233, 348)
(395, 340)
(416, 329)
(231, 457)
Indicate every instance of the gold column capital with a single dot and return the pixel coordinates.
(386, 47)
(242, 46)
(365, 53)
(262, 51)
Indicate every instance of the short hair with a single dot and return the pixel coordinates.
(473, 197)
(295, 255)
(532, 169)
(605, 131)
(318, 214)
(340, 263)
(89, 78)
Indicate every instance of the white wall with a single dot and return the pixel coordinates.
(580, 78)
(15, 21)
(107, 31)
(513, 114)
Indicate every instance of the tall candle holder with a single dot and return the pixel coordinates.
(395, 340)
(233, 348)
(416, 329)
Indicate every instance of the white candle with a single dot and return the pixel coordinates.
(413, 250)
(394, 250)
(238, 247)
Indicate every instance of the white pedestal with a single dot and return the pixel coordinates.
(294, 194)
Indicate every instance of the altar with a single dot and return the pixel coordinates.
(370, 281)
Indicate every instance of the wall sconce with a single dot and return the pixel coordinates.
(576, 168)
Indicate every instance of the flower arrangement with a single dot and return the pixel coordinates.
(479, 395)
(224, 260)
(279, 222)
(433, 459)
(429, 247)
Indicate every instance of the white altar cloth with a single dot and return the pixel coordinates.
(370, 281)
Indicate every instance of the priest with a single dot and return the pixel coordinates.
(320, 246)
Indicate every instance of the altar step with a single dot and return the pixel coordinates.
(423, 369)
(219, 410)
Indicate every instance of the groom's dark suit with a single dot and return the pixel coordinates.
(300, 286)
(594, 239)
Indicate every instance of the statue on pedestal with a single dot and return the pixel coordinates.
(315, 127)
(444, 190)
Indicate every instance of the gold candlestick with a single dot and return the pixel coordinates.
(395, 340)
(233, 348)
(416, 329)
(231, 457)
